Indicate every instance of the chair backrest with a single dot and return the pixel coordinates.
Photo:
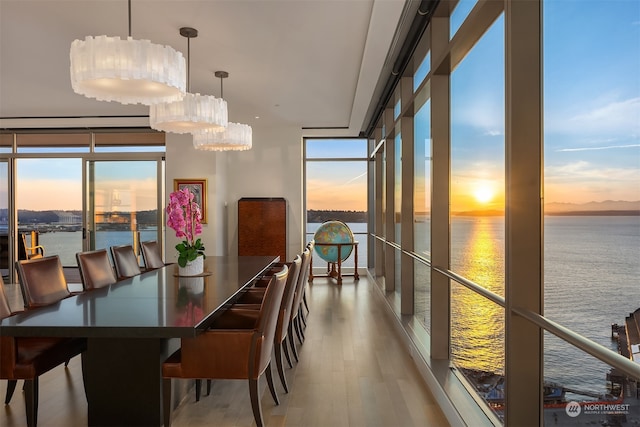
(151, 255)
(125, 261)
(262, 342)
(5, 310)
(95, 269)
(42, 281)
(287, 298)
(302, 276)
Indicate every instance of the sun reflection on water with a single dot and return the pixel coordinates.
(477, 324)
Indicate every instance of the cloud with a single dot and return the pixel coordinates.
(619, 117)
(609, 147)
(494, 132)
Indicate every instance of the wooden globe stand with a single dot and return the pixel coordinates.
(333, 271)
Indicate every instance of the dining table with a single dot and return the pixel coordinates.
(132, 326)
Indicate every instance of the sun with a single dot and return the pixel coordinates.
(483, 193)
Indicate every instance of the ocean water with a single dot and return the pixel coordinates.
(592, 280)
(67, 244)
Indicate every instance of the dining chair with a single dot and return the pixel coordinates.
(125, 261)
(237, 346)
(253, 297)
(26, 358)
(310, 245)
(42, 281)
(151, 255)
(294, 323)
(95, 269)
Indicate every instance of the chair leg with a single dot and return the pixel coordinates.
(286, 352)
(303, 323)
(31, 401)
(208, 387)
(304, 300)
(166, 401)
(272, 387)
(255, 402)
(296, 325)
(198, 387)
(283, 379)
(11, 387)
(302, 316)
(292, 342)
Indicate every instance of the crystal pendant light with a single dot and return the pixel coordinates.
(127, 71)
(194, 113)
(236, 137)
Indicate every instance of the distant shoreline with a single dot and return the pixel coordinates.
(557, 213)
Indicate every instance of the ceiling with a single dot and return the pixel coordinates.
(302, 63)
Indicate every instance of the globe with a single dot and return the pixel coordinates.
(333, 231)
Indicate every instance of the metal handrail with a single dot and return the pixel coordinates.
(596, 350)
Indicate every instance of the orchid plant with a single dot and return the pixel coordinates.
(184, 216)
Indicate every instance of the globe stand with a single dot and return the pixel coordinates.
(334, 272)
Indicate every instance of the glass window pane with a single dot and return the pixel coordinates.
(591, 181)
(336, 148)
(4, 218)
(338, 190)
(125, 201)
(49, 201)
(459, 14)
(422, 71)
(477, 204)
(422, 212)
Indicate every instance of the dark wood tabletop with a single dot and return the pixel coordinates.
(132, 326)
(155, 304)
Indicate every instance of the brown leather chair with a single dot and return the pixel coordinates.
(42, 281)
(151, 255)
(237, 346)
(310, 245)
(294, 323)
(254, 296)
(28, 358)
(125, 261)
(95, 269)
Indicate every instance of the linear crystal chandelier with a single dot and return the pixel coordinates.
(236, 136)
(192, 114)
(128, 71)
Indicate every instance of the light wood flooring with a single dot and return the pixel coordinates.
(353, 371)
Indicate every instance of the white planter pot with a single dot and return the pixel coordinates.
(193, 268)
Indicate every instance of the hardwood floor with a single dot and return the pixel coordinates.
(353, 371)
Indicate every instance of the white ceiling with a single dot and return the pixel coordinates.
(302, 63)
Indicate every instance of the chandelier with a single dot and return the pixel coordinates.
(236, 136)
(192, 114)
(127, 71)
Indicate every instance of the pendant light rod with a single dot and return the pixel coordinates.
(129, 18)
(189, 33)
(221, 75)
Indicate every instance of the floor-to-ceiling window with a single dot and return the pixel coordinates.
(61, 205)
(592, 188)
(477, 204)
(336, 189)
(422, 214)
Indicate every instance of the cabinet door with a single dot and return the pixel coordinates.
(262, 227)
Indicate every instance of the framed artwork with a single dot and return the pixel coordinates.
(198, 187)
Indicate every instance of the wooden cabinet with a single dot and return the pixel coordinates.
(262, 227)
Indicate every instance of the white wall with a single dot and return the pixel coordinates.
(184, 161)
(272, 168)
